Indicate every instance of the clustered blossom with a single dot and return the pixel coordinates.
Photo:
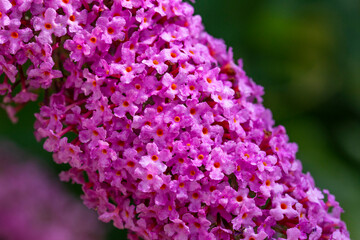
(164, 131)
(33, 205)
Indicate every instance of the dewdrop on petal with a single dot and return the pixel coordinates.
(164, 131)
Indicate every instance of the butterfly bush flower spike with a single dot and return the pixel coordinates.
(164, 131)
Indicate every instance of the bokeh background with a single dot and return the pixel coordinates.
(306, 53)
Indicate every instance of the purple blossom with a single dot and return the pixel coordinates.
(177, 230)
(78, 47)
(43, 76)
(161, 120)
(7, 68)
(14, 36)
(48, 25)
(112, 29)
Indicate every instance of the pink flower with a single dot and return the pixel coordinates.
(43, 76)
(177, 230)
(112, 29)
(170, 132)
(14, 36)
(48, 25)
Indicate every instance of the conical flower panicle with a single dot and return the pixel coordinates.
(166, 134)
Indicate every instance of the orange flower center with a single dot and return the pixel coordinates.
(160, 132)
(268, 182)
(252, 178)
(130, 164)
(195, 196)
(110, 30)
(159, 109)
(239, 198)
(93, 39)
(48, 26)
(205, 130)
(212, 188)
(14, 35)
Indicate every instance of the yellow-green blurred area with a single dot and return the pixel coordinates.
(306, 53)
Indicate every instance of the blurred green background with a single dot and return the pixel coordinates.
(307, 56)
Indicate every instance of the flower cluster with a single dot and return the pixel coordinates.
(33, 206)
(164, 131)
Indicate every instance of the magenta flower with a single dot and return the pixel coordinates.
(43, 76)
(169, 131)
(14, 36)
(112, 29)
(7, 68)
(4, 7)
(48, 25)
(78, 47)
